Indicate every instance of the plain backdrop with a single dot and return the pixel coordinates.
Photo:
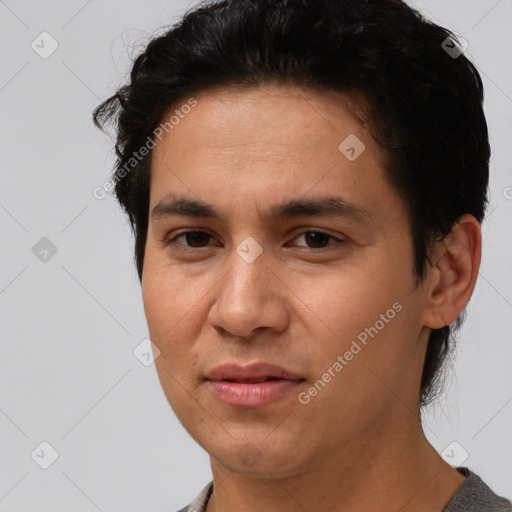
(70, 301)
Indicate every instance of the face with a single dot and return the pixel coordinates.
(301, 258)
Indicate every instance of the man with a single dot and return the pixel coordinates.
(306, 182)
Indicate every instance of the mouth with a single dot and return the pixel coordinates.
(258, 371)
(255, 385)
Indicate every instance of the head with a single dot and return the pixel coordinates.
(246, 109)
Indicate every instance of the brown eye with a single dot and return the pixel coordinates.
(317, 239)
(193, 239)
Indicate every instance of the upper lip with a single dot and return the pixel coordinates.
(251, 371)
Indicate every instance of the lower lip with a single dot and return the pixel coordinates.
(252, 395)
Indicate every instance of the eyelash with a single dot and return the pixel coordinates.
(170, 241)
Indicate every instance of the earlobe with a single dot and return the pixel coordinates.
(453, 276)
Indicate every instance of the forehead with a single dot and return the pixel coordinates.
(273, 141)
(253, 117)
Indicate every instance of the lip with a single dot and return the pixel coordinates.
(222, 381)
(251, 371)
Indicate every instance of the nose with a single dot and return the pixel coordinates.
(251, 296)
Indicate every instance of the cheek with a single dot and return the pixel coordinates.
(171, 310)
(346, 301)
(367, 315)
(170, 298)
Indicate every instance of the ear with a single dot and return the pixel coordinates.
(456, 261)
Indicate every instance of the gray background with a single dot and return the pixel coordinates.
(70, 324)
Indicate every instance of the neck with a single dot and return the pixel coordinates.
(393, 467)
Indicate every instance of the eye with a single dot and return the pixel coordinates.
(317, 238)
(195, 238)
(199, 239)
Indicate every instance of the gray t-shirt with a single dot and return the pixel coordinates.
(473, 495)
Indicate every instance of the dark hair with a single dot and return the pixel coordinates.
(423, 102)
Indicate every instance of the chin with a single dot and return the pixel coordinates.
(257, 456)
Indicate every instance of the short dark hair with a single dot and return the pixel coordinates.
(424, 104)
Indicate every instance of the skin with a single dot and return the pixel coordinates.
(358, 444)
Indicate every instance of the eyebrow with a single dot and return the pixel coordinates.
(326, 206)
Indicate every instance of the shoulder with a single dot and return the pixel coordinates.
(474, 495)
